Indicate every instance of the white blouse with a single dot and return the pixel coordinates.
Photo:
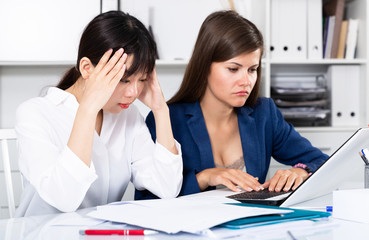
(56, 180)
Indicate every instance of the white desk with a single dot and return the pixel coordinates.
(42, 227)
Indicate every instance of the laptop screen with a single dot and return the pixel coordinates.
(342, 166)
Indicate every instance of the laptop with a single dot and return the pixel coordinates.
(342, 166)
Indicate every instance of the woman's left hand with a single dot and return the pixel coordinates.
(151, 95)
(286, 179)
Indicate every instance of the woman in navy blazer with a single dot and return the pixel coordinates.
(228, 133)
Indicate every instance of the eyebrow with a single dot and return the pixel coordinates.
(240, 65)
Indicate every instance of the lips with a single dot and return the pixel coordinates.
(124, 105)
(242, 93)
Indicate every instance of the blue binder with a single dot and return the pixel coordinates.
(296, 214)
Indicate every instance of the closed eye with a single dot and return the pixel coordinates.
(143, 80)
(124, 81)
(233, 69)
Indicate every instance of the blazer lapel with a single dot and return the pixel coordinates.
(196, 125)
(250, 142)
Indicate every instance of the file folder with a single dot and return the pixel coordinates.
(329, 40)
(335, 8)
(344, 87)
(295, 215)
(315, 29)
(351, 41)
(288, 29)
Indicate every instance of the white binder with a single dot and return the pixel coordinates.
(288, 29)
(351, 42)
(344, 86)
(315, 29)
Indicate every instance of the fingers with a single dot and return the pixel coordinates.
(105, 64)
(242, 179)
(118, 70)
(231, 186)
(285, 179)
(103, 60)
(298, 182)
(278, 180)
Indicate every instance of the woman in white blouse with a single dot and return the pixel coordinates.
(81, 144)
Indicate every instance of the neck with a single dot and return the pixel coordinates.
(216, 112)
(76, 89)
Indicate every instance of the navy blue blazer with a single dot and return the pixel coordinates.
(264, 134)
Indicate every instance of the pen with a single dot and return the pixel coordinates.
(291, 235)
(116, 232)
(362, 155)
(329, 208)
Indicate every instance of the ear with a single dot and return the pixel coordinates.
(85, 67)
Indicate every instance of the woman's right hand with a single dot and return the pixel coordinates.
(231, 178)
(103, 79)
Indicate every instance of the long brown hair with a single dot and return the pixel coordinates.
(222, 36)
(114, 30)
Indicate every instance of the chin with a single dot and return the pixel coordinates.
(239, 104)
(114, 111)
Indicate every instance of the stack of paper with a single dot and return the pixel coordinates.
(176, 215)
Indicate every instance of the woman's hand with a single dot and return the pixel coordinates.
(286, 179)
(151, 95)
(231, 178)
(103, 79)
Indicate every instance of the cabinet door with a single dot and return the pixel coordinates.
(43, 30)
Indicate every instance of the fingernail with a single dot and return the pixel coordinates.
(257, 188)
(261, 187)
(249, 189)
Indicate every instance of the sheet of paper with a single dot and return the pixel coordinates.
(74, 219)
(299, 228)
(176, 215)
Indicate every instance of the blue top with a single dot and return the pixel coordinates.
(264, 134)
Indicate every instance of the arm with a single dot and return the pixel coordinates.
(152, 97)
(154, 167)
(57, 174)
(290, 148)
(100, 83)
(56, 159)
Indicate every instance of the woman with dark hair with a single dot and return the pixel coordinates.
(81, 144)
(227, 132)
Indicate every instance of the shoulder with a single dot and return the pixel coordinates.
(264, 106)
(181, 109)
(32, 107)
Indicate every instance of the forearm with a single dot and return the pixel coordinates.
(164, 134)
(202, 180)
(82, 135)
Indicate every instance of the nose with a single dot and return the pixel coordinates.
(132, 90)
(245, 79)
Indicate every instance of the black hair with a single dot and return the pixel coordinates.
(114, 30)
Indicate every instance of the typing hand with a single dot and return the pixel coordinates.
(286, 179)
(231, 178)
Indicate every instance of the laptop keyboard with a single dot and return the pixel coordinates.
(263, 194)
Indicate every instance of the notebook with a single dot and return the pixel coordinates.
(342, 166)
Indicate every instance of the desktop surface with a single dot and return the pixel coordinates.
(53, 226)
